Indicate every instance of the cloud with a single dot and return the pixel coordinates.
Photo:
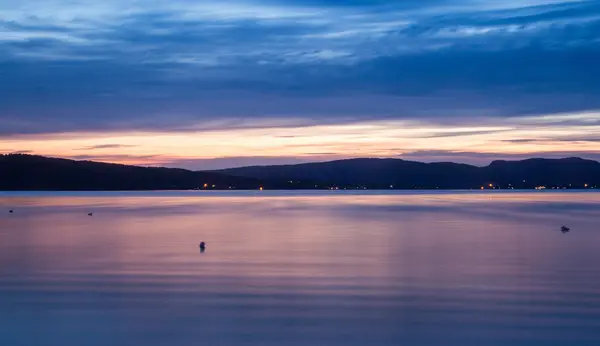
(140, 160)
(521, 140)
(17, 152)
(465, 132)
(106, 146)
(575, 138)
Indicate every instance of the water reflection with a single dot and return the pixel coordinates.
(419, 269)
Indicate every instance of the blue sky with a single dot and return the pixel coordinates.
(90, 69)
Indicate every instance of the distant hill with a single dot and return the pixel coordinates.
(401, 174)
(28, 172)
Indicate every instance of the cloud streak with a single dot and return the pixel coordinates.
(106, 146)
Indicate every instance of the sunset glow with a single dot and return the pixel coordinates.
(401, 139)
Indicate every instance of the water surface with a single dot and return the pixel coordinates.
(300, 268)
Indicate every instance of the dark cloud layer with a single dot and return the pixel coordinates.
(181, 66)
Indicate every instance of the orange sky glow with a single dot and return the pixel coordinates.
(524, 135)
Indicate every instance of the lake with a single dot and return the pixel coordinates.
(300, 268)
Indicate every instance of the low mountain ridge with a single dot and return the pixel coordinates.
(402, 174)
(28, 172)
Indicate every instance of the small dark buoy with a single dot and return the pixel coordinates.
(202, 246)
(10, 211)
(90, 214)
(565, 229)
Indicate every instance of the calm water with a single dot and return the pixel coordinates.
(314, 268)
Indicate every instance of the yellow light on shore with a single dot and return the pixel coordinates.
(260, 188)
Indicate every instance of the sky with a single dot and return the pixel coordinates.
(206, 85)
